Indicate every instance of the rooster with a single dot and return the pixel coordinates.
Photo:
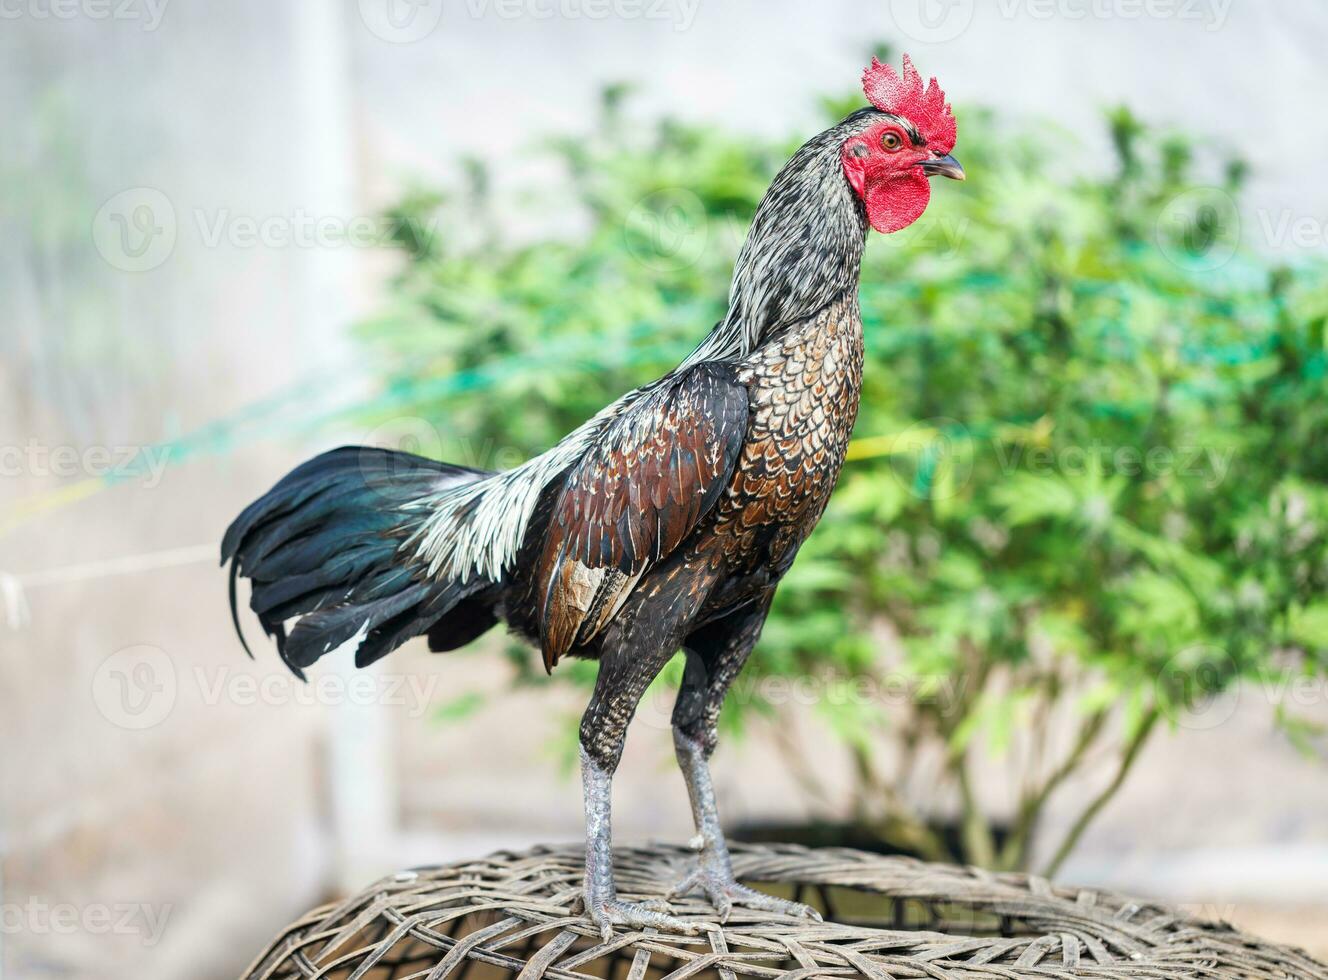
(663, 523)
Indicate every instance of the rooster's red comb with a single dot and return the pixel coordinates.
(926, 107)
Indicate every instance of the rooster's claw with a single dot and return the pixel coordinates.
(653, 914)
(723, 892)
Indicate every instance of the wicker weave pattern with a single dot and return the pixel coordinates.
(887, 918)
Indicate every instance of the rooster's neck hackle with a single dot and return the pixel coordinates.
(803, 252)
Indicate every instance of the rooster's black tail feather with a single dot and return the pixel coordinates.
(324, 548)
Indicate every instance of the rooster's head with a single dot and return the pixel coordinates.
(907, 141)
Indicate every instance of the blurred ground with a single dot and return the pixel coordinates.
(1296, 925)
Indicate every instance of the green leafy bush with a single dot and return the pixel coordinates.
(1089, 489)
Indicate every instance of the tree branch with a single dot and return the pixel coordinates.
(796, 763)
(1015, 852)
(897, 825)
(979, 844)
(1098, 802)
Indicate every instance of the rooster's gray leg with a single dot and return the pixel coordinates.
(695, 734)
(621, 682)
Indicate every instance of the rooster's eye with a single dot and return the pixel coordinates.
(891, 141)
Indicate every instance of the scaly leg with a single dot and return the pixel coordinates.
(723, 650)
(602, 903)
(622, 680)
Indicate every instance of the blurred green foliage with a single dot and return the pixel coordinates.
(1089, 490)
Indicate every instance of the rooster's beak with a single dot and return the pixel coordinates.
(946, 166)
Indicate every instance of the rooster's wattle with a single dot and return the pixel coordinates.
(664, 522)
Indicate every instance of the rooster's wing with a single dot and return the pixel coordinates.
(658, 468)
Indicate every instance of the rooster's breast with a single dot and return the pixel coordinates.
(803, 391)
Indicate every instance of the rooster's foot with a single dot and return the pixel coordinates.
(723, 891)
(642, 915)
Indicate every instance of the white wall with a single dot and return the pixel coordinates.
(1249, 76)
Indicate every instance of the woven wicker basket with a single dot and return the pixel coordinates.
(516, 914)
